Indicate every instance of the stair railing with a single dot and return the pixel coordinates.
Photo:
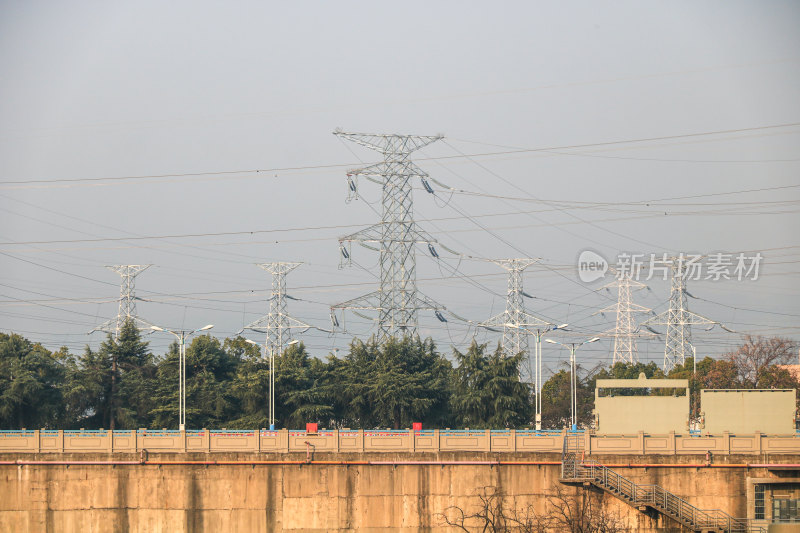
(651, 495)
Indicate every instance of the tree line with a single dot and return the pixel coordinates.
(123, 385)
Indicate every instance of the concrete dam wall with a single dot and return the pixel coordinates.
(245, 492)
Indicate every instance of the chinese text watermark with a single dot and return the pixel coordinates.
(643, 267)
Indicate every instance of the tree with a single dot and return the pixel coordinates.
(86, 390)
(557, 403)
(113, 387)
(757, 355)
(303, 387)
(135, 375)
(556, 400)
(621, 370)
(250, 384)
(565, 510)
(403, 381)
(300, 391)
(209, 374)
(582, 512)
(487, 392)
(697, 378)
(29, 379)
(492, 514)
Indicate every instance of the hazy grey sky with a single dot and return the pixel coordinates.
(170, 93)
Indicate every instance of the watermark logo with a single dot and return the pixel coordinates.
(591, 266)
(644, 267)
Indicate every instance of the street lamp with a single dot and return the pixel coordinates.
(538, 334)
(271, 392)
(694, 359)
(181, 336)
(692, 417)
(573, 382)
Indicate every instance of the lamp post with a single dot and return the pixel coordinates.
(538, 334)
(271, 391)
(692, 416)
(181, 336)
(573, 382)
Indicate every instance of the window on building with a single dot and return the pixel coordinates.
(759, 501)
(785, 510)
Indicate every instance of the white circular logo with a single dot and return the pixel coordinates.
(591, 266)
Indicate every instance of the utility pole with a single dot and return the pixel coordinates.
(397, 300)
(127, 301)
(625, 331)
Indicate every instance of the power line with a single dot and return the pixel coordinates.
(331, 166)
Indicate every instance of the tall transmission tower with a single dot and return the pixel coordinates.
(127, 301)
(678, 319)
(625, 332)
(397, 300)
(277, 323)
(514, 319)
(517, 324)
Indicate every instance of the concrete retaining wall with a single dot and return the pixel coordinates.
(237, 496)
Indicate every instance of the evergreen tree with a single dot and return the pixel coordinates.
(401, 382)
(250, 384)
(135, 377)
(112, 387)
(29, 378)
(86, 390)
(487, 392)
(302, 389)
(210, 371)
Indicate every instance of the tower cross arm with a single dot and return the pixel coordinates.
(110, 326)
(368, 301)
(613, 308)
(379, 172)
(525, 320)
(389, 143)
(375, 234)
(517, 265)
(279, 267)
(372, 301)
(686, 317)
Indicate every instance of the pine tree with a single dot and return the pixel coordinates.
(487, 392)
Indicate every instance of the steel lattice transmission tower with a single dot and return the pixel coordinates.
(127, 301)
(514, 320)
(625, 332)
(277, 323)
(678, 319)
(397, 301)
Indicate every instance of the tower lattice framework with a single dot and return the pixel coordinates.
(397, 300)
(127, 300)
(277, 323)
(515, 321)
(625, 331)
(677, 318)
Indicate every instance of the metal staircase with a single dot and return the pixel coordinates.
(575, 469)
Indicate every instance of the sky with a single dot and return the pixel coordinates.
(197, 137)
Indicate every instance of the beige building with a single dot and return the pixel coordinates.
(654, 406)
(769, 411)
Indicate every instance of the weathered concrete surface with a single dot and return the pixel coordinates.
(317, 498)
